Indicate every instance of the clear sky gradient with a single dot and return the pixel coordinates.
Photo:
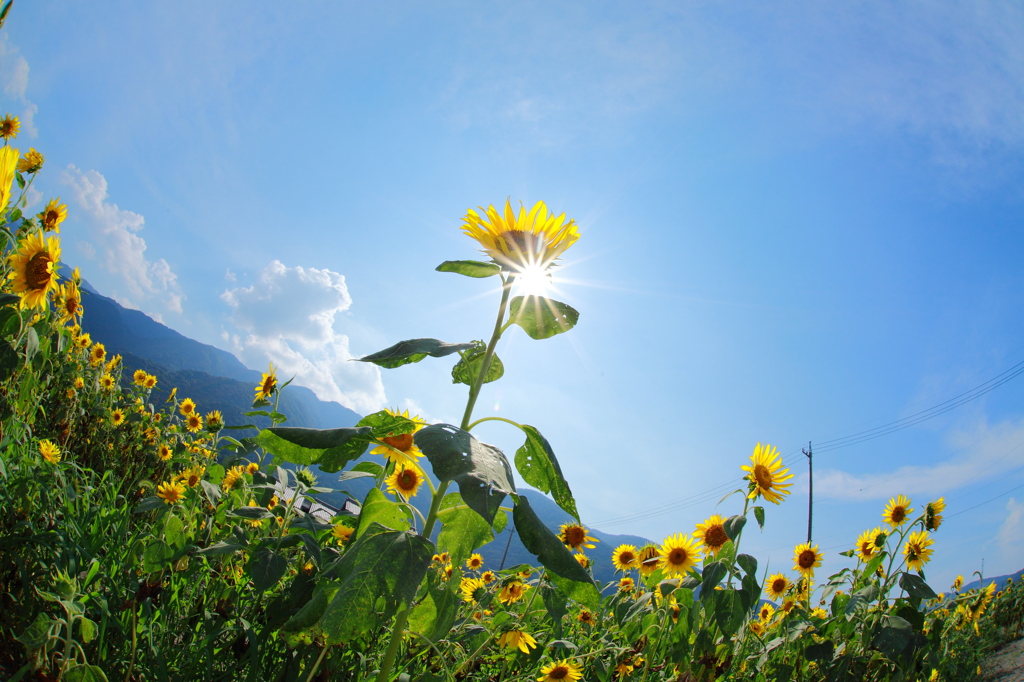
(798, 222)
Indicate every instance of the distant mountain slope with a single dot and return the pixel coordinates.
(1000, 581)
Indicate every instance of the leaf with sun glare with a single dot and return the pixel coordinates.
(469, 268)
(466, 370)
(542, 318)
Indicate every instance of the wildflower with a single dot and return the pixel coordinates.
(53, 215)
(117, 416)
(83, 340)
(933, 514)
(472, 589)
(49, 451)
(34, 267)
(341, 532)
(149, 382)
(897, 511)
(172, 395)
(529, 241)
(806, 558)
(917, 551)
(9, 127)
(193, 423)
(678, 554)
(170, 492)
(474, 562)
(560, 670)
(234, 478)
(97, 355)
(214, 421)
(517, 639)
(585, 616)
(107, 382)
(273, 502)
(574, 536)
(489, 577)
(712, 534)
(624, 557)
(32, 162)
(139, 377)
(187, 406)
(267, 385)
(442, 558)
(867, 543)
(648, 560)
(406, 479)
(777, 586)
(626, 584)
(512, 592)
(767, 477)
(8, 160)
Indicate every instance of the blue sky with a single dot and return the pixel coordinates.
(797, 222)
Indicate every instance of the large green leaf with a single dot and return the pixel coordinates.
(413, 350)
(469, 268)
(384, 423)
(434, 616)
(377, 508)
(468, 367)
(462, 531)
(380, 571)
(542, 318)
(266, 568)
(541, 541)
(482, 472)
(916, 586)
(555, 603)
(330, 449)
(539, 467)
(310, 614)
(894, 636)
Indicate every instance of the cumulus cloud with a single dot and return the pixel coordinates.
(978, 455)
(14, 80)
(116, 243)
(288, 317)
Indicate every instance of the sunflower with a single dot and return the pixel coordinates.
(406, 479)
(767, 477)
(512, 592)
(624, 557)
(113, 363)
(107, 382)
(193, 423)
(68, 302)
(83, 340)
(32, 162)
(529, 241)
(442, 558)
(582, 559)
(234, 478)
(626, 584)
(53, 215)
(187, 407)
(489, 577)
(867, 543)
(757, 627)
(8, 160)
(981, 601)
(117, 417)
(97, 355)
(917, 550)
(214, 421)
(474, 562)
(766, 612)
(192, 476)
(678, 554)
(49, 451)
(79, 383)
(647, 560)
(933, 514)
(170, 492)
(139, 377)
(585, 616)
(401, 448)
(341, 532)
(149, 383)
(267, 385)
(252, 467)
(777, 586)
(9, 126)
(712, 534)
(958, 583)
(819, 613)
(574, 536)
(517, 639)
(560, 670)
(806, 559)
(34, 268)
(897, 511)
(472, 589)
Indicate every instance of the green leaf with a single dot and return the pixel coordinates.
(87, 629)
(9, 299)
(311, 613)
(31, 343)
(747, 563)
(385, 424)
(330, 449)
(548, 549)
(463, 530)
(251, 513)
(734, 525)
(156, 556)
(8, 359)
(377, 508)
(759, 515)
(860, 598)
(820, 652)
(434, 616)
(540, 317)
(469, 268)
(894, 636)
(710, 577)
(174, 531)
(482, 472)
(382, 568)
(468, 367)
(371, 468)
(84, 673)
(37, 634)
(413, 350)
(555, 603)
(266, 568)
(539, 467)
(222, 547)
(916, 586)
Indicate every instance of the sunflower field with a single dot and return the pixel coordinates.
(143, 541)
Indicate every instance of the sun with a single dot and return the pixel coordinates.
(534, 280)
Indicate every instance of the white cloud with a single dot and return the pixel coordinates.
(115, 240)
(1010, 533)
(288, 317)
(979, 455)
(14, 80)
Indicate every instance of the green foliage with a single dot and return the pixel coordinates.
(413, 350)
(542, 318)
(470, 268)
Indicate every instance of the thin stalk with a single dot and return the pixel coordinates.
(474, 390)
(319, 660)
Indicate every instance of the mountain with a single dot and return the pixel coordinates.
(1000, 581)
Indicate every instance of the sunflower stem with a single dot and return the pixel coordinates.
(474, 390)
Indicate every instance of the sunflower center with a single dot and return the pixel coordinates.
(37, 271)
(521, 242)
(778, 586)
(678, 556)
(627, 558)
(560, 672)
(574, 536)
(71, 305)
(807, 558)
(763, 477)
(867, 548)
(715, 536)
(898, 514)
(51, 217)
(407, 479)
(402, 442)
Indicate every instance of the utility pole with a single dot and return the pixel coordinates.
(512, 532)
(809, 453)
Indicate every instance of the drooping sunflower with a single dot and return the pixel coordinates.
(531, 240)
(267, 385)
(97, 355)
(897, 511)
(679, 554)
(170, 491)
(624, 557)
(472, 589)
(214, 421)
(474, 562)
(405, 480)
(8, 161)
(626, 584)
(806, 558)
(34, 269)
(234, 478)
(917, 550)
(117, 416)
(341, 532)
(867, 543)
(139, 377)
(933, 514)
(647, 560)
(150, 382)
(582, 559)
(574, 536)
(777, 586)
(53, 215)
(489, 577)
(766, 475)
(9, 126)
(113, 363)
(512, 592)
(560, 670)
(68, 302)
(193, 423)
(32, 162)
(187, 407)
(958, 583)
(757, 627)
(517, 639)
(712, 534)
(49, 451)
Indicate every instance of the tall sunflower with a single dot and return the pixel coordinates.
(806, 558)
(529, 240)
(34, 268)
(679, 554)
(917, 550)
(8, 162)
(624, 557)
(766, 475)
(712, 534)
(897, 511)
(97, 354)
(267, 385)
(777, 586)
(574, 536)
